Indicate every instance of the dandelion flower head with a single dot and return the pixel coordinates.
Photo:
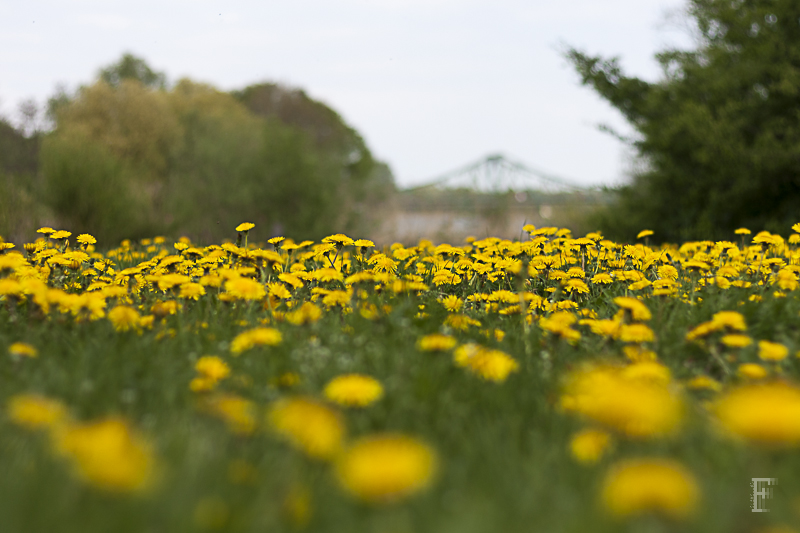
(385, 468)
(354, 390)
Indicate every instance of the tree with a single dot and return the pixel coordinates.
(357, 183)
(719, 134)
(130, 67)
(19, 167)
(127, 157)
(93, 191)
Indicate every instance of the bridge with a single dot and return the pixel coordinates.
(493, 196)
(498, 174)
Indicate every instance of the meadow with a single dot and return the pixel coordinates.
(552, 384)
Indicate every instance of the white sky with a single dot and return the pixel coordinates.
(431, 84)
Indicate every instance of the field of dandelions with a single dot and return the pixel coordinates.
(553, 384)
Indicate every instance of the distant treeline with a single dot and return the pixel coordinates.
(128, 156)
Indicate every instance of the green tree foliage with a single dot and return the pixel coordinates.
(196, 161)
(130, 67)
(92, 190)
(719, 134)
(19, 166)
(109, 158)
(361, 183)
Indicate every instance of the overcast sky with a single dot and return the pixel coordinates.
(430, 84)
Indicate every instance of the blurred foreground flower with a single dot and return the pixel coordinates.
(36, 412)
(491, 365)
(637, 401)
(384, 468)
(589, 445)
(763, 413)
(638, 486)
(309, 425)
(21, 349)
(255, 337)
(108, 454)
(237, 412)
(436, 342)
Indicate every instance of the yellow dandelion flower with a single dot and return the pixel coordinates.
(766, 238)
(752, 371)
(202, 384)
(638, 310)
(364, 243)
(576, 285)
(124, 318)
(237, 412)
(557, 322)
(108, 454)
(491, 365)
(702, 330)
(647, 371)
(312, 427)
(436, 342)
(61, 234)
(637, 354)
(772, 351)
(637, 407)
(336, 298)
(339, 240)
(327, 274)
(667, 272)
(162, 309)
(736, 341)
(291, 279)
(86, 239)
(589, 445)
(279, 291)
(245, 289)
(255, 337)
(637, 486)
(245, 227)
(445, 277)
(461, 322)
(387, 467)
(307, 313)
(730, 320)
(212, 367)
(644, 233)
(762, 413)
(36, 412)
(604, 328)
(602, 278)
(191, 291)
(704, 383)
(21, 349)
(635, 333)
(354, 390)
(452, 303)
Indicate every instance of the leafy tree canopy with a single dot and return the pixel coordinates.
(128, 157)
(719, 134)
(130, 67)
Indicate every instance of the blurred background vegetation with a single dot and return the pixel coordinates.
(129, 156)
